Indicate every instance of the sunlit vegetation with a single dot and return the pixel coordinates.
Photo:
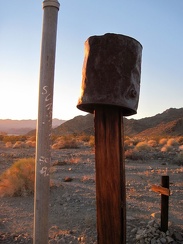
(135, 148)
(18, 180)
(92, 141)
(168, 149)
(143, 146)
(64, 142)
(13, 138)
(12, 141)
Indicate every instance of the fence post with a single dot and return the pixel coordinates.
(110, 176)
(110, 90)
(44, 122)
(164, 204)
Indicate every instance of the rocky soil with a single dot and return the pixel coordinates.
(72, 217)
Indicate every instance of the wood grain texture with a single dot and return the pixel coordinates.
(161, 190)
(164, 204)
(110, 176)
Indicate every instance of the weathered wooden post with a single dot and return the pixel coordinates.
(165, 193)
(164, 203)
(44, 123)
(110, 90)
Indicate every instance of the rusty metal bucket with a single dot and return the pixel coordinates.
(111, 73)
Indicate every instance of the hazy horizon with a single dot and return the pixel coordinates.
(128, 117)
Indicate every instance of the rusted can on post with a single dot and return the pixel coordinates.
(110, 89)
(111, 73)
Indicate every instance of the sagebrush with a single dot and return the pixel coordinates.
(18, 180)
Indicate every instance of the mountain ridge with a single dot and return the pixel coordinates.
(23, 126)
(170, 122)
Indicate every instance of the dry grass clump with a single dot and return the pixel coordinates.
(152, 143)
(74, 160)
(13, 139)
(64, 142)
(87, 178)
(84, 138)
(179, 158)
(128, 144)
(92, 141)
(168, 145)
(30, 143)
(143, 146)
(8, 144)
(1, 144)
(180, 139)
(162, 141)
(18, 180)
(18, 141)
(134, 154)
(19, 144)
(172, 142)
(181, 147)
(166, 148)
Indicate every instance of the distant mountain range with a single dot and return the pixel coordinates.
(170, 122)
(21, 127)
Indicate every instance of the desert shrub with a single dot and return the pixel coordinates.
(56, 145)
(134, 154)
(152, 143)
(74, 160)
(1, 137)
(136, 140)
(180, 139)
(32, 138)
(92, 141)
(181, 147)
(30, 143)
(65, 142)
(143, 146)
(53, 138)
(172, 142)
(178, 159)
(84, 138)
(166, 148)
(1, 144)
(18, 180)
(13, 138)
(162, 141)
(128, 143)
(19, 144)
(8, 144)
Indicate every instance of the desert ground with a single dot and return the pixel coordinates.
(72, 207)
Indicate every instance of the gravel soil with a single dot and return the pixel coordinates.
(72, 206)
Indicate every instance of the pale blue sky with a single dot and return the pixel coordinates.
(156, 24)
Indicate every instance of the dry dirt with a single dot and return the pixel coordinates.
(72, 217)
